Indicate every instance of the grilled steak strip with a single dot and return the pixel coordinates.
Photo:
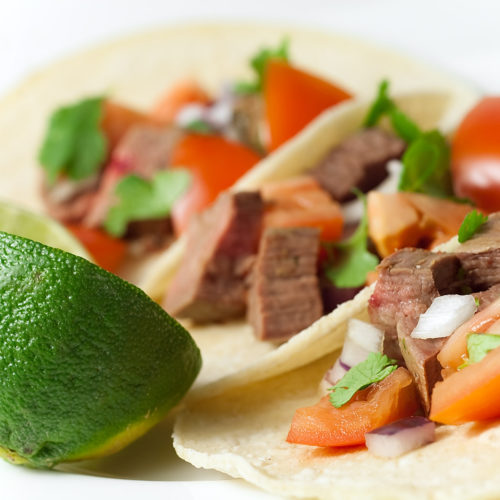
(409, 280)
(284, 296)
(359, 161)
(210, 284)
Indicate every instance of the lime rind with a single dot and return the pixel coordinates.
(88, 361)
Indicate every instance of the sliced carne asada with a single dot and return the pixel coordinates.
(210, 283)
(143, 151)
(70, 201)
(408, 282)
(246, 125)
(486, 238)
(484, 299)
(284, 296)
(360, 161)
(480, 270)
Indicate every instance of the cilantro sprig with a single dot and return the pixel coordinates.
(426, 166)
(382, 106)
(426, 162)
(140, 199)
(354, 260)
(74, 143)
(373, 369)
(478, 346)
(199, 127)
(470, 225)
(258, 64)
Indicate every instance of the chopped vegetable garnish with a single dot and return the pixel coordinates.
(426, 166)
(199, 127)
(480, 344)
(74, 144)
(406, 128)
(402, 436)
(145, 199)
(472, 222)
(259, 63)
(381, 106)
(374, 369)
(355, 261)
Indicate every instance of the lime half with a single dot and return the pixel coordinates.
(88, 362)
(40, 228)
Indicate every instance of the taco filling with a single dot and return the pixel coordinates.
(126, 182)
(432, 344)
(294, 249)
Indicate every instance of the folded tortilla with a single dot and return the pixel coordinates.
(242, 432)
(232, 355)
(137, 70)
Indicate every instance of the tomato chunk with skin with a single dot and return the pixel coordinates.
(215, 165)
(471, 394)
(293, 98)
(301, 202)
(454, 351)
(475, 155)
(107, 251)
(386, 401)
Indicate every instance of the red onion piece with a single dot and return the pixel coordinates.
(400, 437)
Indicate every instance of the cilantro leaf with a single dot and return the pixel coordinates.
(74, 143)
(406, 128)
(259, 65)
(426, 166)
(470, 225)
(145, 199)
(383, 105)
(354, 260)
(480, 344)
(199, 127)
(373, 369)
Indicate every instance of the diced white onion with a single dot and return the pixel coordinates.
(220, 114)
(190, 113)
(332, 376)
(400, 437)
(362, 338)
(444, 316)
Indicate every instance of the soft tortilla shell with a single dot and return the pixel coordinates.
(243, 432)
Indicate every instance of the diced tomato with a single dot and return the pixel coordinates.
(470, 394)
(107, 251)
(384, 402)
(185, 92)
(301, 202)
(476, 155)
(420, 219)
(117, 119)
(215, 165)
(454, 351)
(293, 98)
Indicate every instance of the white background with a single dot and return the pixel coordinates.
(458, 36)
(461, 36)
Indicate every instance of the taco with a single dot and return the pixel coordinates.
(228, 261)
(426, 304)
(134, 73)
